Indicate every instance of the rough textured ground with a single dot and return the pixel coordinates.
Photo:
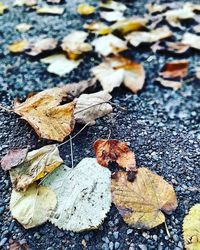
(162, 127)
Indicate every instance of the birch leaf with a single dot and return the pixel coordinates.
(89, 107)
(38, 163)
(33, 207)
(85, 9)
(143, 201)
(43, 112)
(191, 226)
(83, 195)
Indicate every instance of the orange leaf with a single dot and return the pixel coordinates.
(175, 69)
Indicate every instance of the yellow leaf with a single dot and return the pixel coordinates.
(85, 9)
(43, 112)
(141, 202)
(191, 228)
(97, 28)
(33, 207)
(2, 8)
(18, 46)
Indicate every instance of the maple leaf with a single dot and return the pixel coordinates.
(83, 195)
(142, 201)
(191, 225)
(37, 164)
(92, 106)
(85, 9)
(175, 69)
(114, 151)
(43, 112)
(32, 207)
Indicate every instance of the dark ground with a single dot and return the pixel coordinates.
(161, 125)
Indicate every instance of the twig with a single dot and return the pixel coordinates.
(109, 134)
(118, 106)
(6, 109)
(168, 234)
(71, 148)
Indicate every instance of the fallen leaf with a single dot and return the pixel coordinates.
(53, 1)
(127, 25)
(192, 40)
(196, 28)
(18, 245)
(53, 10)
(13, 158)
(155, 8)
(112, 5)
(18, 46)
(97, 28)
(33, 207)
(60, 64)
(142, 201)
(83, 195)
(2, 8)
(89, 107)
(43, 112)
(41, 45)
(74, 44)
(111, 16)
(175, 69)
(169, 83)
(28, 3)
(85, 9)
(191, 225)
(23, 27)
(38, 164)
(137, 37)
(109, 44)
(198, 72)
(114, 151)
(175, 47)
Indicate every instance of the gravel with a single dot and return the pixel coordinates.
(161, 126)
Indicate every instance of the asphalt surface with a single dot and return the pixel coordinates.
(160, 125)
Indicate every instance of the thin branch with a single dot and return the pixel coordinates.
(117, 106)
(6, 109)
(71, 148)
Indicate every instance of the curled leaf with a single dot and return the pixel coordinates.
(85, 9)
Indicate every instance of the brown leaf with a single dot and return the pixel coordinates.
(142, 201)
(169, 83)
(41, 45)
(114, 151)
(43, 112)
(175, 69)
(18, 245)
(13, 158)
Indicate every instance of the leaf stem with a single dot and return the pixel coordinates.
(168, 234)
(71, 148)
(6, 109)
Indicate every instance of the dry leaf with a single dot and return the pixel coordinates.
(41, 45)
(85, 9)
(114, 151)
(53, 10)
(142, 201)
(18, 46)
(111, 16)
(23, 27)
(112, 5)
(38, 164)
(49, 119)
(97, 28)
(154, 8)
(169, 83)
(109, 44)
(53, 1)
(192, 40)
(18, 245)
(60, 64)
(89, 107)
(13, 158)
(83, 195)
(175, 69)
(2, 8)
(191, 226)
(138, 37)
(28, 3)
(33, 207)
(74, 44)
(175, 47)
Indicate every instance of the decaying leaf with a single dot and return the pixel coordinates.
(89, 107)
(28, 3)
(18, 46)
(2, 8)
(112, 5)
(41, 45)
(169, 83)
(83, 195)
(43, 112)
(74, 44)
(13, 158)
(109, 44)
(99, 28)
(18, 245)
(85, 9)
(137, 37)
(60, 64)
(175, 69)
(192, 40)
(128, 25)
(38, 163)
(114, 151)
(142, 201)
(53, 10)
(191, 226)
(23, 27)
(111, 16)
(33, 207)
